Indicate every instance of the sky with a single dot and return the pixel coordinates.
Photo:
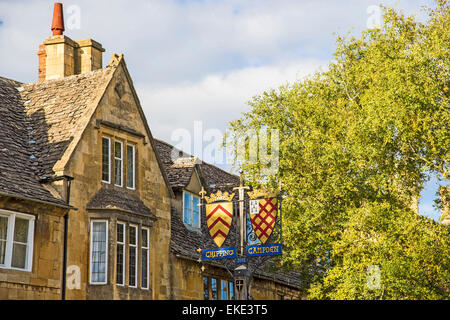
(195, 64)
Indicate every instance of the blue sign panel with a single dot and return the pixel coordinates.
(241, 260)
(223, 253)
(264, 250)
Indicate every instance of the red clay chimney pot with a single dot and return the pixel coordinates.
(58, 19)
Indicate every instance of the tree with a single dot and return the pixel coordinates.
(358, 140)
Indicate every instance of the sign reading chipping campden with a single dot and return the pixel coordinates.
(223, 253)
(264, 250)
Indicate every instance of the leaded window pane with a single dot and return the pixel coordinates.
(120, 232)
(98, 258)
(132, 256)
(144, 278)
(105, 159)
(118, 163)
(133, 235)
(132, 265)
(120, 264)
(144, 258)
(130, 166)
(120, 254)
(145, 238)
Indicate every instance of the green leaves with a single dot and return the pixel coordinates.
(356, 144)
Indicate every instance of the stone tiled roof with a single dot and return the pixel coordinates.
(42, 123)
(185, 242)
(178, 175)
(179, 167)
(110, 198)
(57, 111)
(18, 161)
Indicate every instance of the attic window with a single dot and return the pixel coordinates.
(191, 209)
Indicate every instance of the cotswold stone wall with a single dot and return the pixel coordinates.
(119, 109)
(187, 282)
(44, 280)
(264, 289)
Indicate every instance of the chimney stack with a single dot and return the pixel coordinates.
(58, 19)
(60, 56)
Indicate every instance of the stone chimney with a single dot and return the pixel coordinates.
(60, 56)
(89, 56)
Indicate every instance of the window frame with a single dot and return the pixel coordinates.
(224, 289)
(109, 159)
(135, 246)
(11, 216)
(121, 163)
(147, 248)
(206, 288)
(216, 291)
(134, 166)
(106, 252)
(191, 197)
(231, 290)
(124, 252)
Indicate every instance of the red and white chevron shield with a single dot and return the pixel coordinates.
(263, 214)
(218, 218)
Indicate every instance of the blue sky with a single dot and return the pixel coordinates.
(197, 60)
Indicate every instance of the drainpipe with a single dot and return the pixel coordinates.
(66, 224)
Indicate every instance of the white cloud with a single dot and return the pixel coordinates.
(215, 99)
(194, 60)
(172, 41)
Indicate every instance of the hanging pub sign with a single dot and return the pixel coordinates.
(219, 214)
(222, 253)
(263, 214)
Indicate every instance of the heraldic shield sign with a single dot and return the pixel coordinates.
(219, 214)
(263, 214)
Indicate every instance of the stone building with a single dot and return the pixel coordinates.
(195, 279)
(31, 218)
(90, 204)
